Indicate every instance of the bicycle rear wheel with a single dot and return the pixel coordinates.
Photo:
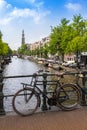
(68, 97)
(25, 102)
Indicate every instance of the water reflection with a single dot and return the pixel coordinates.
(16, 67)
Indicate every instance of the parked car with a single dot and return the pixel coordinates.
(67, 63)
(74, 65)
(59, 62)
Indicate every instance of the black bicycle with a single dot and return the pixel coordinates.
(81, 84)
(27, 100)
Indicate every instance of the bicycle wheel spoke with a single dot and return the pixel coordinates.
(68, 97)
(25, 103)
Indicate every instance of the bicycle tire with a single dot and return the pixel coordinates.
(68, 97)
(23, 107)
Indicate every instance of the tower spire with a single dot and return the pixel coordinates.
(23, 37)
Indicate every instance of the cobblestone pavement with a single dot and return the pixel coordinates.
(58, 120)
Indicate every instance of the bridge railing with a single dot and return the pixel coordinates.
(2, 96)
(2, 111)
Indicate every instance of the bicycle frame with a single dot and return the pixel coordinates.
(35, 89)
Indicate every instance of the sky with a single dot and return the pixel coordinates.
(35, 17)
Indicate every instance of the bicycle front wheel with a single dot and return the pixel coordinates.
(68, 97)
(25, 102)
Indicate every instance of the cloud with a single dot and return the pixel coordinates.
(5, 21)
(10, 13)
(27, 13)
(5, 8)
(73, 6)
(4, 5)
(30, 1)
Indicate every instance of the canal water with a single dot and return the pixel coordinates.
(11, 86)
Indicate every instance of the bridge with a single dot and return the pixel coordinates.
(49, 120)
(44, 75)
(58, 120)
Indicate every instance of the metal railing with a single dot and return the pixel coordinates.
(45, 83)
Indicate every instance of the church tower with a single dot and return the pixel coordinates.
(23, 38)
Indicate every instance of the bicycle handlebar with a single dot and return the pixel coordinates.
(38, 72)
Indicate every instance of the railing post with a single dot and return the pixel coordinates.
(2, 112)
(83, 102)
(44, 105)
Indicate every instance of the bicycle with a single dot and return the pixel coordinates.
(81, 74)
(27, 100)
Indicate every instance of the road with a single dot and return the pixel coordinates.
(58, 120)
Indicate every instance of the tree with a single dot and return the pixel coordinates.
(4, 48)
(78, 24)
(78, 43)
(55, 38)
(22, 49)
(0, 36)
(46, 50)
(59, 38)
(69, 38)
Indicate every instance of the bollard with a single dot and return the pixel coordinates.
(84, 89)
(2, 112)
(44, 105)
